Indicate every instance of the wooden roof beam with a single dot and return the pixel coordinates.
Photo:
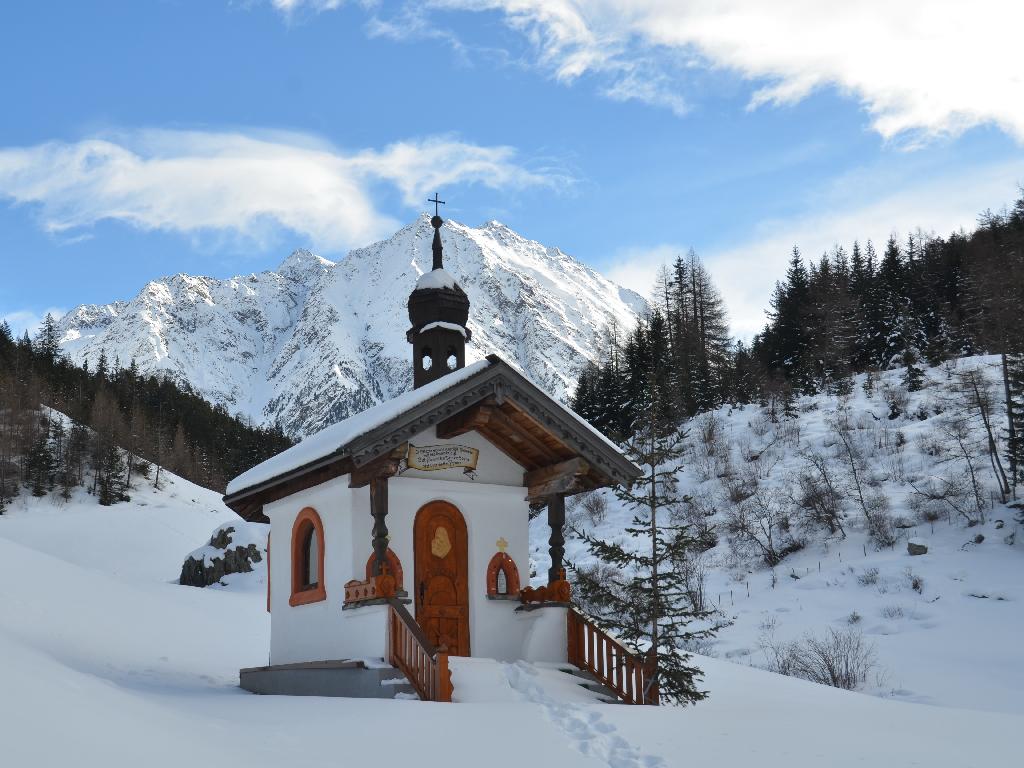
(383, 466)
(565, 478)
(495, 425)
(498, 423)
(465, 421)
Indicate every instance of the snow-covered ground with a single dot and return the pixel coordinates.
(956, 643)
(105, 661)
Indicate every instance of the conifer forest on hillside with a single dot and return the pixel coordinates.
(119, 425)
(922, 301)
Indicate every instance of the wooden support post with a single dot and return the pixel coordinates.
(379, 510)
(556, 520)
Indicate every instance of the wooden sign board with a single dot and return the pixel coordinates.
(430, 458)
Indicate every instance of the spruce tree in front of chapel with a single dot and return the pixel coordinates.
(641, 598)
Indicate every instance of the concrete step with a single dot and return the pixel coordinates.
(351, 678)
(591, 683)
(398, 685)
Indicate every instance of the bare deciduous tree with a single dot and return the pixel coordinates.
(762, 524)
(817, 495)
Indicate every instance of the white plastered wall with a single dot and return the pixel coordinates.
(493, 503)
(318, 631)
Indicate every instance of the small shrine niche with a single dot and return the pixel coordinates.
(392, 567)
(502, 577)
(376, 587)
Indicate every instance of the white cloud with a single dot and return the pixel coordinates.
(245, 185)
(289, 6)
(21, 320)
(636, 267)
(920, 68)
(746, 272)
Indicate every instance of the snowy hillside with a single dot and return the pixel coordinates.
(944, 627)
(314, 341)
(145, 539)
(105, 662)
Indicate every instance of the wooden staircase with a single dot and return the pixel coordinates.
(627, 674)
(409, 651)
(603, 664)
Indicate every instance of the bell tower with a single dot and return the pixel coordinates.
(438, 311)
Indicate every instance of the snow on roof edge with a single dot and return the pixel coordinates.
(333, 438)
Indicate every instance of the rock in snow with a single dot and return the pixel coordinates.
(916, 547)
(316, 341)
(233, 548)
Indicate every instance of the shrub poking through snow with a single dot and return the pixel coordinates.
(868, 577)
(892, 612)
(916, 582)
(839, 658)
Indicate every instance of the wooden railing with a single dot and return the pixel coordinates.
(629, 674)
(425, 666)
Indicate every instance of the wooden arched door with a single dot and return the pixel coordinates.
(442, 576)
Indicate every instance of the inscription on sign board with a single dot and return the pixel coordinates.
(430, 458)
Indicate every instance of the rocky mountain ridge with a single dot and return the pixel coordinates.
(315, 341)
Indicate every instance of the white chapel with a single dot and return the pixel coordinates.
(399, 537)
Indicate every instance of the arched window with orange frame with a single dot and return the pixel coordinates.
(307, 559)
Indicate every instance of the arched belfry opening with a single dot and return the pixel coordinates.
(439, 312)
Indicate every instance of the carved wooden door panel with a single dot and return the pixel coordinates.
(442, 578)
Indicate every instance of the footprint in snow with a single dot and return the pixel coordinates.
(591, 732)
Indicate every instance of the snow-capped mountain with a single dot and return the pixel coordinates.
(315, 341)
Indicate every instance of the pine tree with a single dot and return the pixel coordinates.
(1015, 417)
(74, 456)
(101, 366)
(39, 464)
(643, 599)
(47, 343)
(869, 382)
(584, 399)
(109, 469)
(746, 381)
(789, 402)
(913, 376)
(786, 339)
(894, 305)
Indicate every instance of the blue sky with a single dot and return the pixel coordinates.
(209, 136)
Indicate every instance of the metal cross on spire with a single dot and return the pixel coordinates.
(436, 202)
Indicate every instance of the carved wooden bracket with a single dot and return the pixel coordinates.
(373, 588)
(555, 592)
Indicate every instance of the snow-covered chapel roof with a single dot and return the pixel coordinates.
(382, 428)
(331, 439)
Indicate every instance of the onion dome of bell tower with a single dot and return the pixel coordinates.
(439, 312)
